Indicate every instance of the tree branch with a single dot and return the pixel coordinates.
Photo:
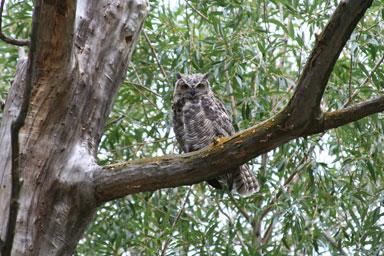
(166, 243)
(305, 103)
(334, 119)
(8, 39)
(354, 93)
(52, 35)
(14, 113)
(176, 170)
(102, 67)
(301, 117)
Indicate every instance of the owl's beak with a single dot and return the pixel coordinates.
(193, 92)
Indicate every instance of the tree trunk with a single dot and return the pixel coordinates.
(58, 105)
(50, 184)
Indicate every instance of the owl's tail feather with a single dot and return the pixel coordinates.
(244, 181)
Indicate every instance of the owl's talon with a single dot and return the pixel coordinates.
(218, 140)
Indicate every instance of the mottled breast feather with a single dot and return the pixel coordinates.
(198, 117)
(198, 121)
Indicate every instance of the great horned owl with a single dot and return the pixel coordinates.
(198, 118)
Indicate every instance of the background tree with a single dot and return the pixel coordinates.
(320, 193)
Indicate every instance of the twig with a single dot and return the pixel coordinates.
(197, 11)
(115, 121)
(141, 85)
(190, 39)
(364, 82)
(148, 99)
(155, 56)
(231, 223)
(144, 87)
(268, 233)
(7, 39)
(230, 92)
(165, 247)
(350, 78)
(241, 210)
(257, 225)
(333, 243)
(301, 166)
(263, 164)
(142, 144)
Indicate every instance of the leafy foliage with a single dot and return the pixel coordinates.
(321, 194)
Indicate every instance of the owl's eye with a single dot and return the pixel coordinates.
(183, 86)
(200, 86)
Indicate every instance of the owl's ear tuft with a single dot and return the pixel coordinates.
(178, 75)
(206, 76)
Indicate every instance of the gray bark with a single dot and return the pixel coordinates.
(71, 79)
(50, 184)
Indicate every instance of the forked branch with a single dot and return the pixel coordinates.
(301, 117)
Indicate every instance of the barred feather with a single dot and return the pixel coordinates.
(198, 117)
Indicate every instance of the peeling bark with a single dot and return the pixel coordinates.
(71, 77)
(11, 111)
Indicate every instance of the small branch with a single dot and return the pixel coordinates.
(347, 115)
(241, 240)
(115, 121)
(142, 86)
(165, 247)
(287, 182)
(268, 233)
(230, 92)
(197, 11)
(333, 243)
(145, 88)
(352, 95)
(241, 209)
(155, 55)
(350, 77)
(7, 39)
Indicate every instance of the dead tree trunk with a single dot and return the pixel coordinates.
(67, 86)
(50, 184)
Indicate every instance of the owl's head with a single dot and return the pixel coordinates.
(191, 86)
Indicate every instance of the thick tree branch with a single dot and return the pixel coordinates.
(176, 170)
(305, 103)
(301, 117)
(107, 33)
(52, 36)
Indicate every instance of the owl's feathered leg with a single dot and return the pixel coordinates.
(244, 181)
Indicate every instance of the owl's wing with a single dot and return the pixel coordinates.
(219, 117)
(178, 125)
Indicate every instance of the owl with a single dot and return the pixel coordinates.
(198, 118)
